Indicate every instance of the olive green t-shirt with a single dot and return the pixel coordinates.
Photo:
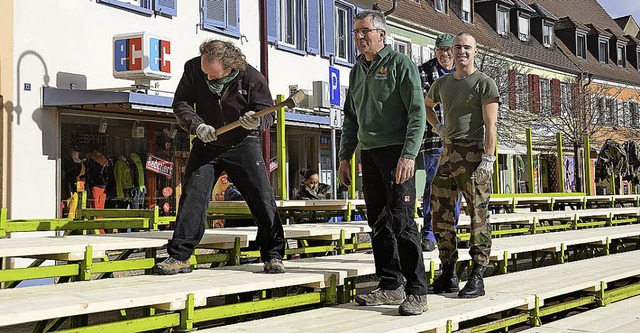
(462, 103)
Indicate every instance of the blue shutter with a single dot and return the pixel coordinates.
(215, 13)
(273, 20)
(313, 26)
(328, 31)
(233, 15)
(168, 7)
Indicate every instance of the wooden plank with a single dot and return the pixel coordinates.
(168, 292)
(73, 247)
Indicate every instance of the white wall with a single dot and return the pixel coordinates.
(76, 36)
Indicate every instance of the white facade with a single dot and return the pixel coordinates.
(76, 37)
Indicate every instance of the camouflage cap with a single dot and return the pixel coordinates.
(444, 40)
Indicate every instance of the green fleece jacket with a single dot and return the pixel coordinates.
(384, 105)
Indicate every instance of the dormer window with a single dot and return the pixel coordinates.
(603, 51)
(523, 28)
(502, 21)
(620, 56)
(581, 45)
(547, 34)
(465, 12)
(440, 6)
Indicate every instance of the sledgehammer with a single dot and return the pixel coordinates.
(291, 102)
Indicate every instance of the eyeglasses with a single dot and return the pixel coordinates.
(363, 31)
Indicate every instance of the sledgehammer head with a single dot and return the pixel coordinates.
(295, 99)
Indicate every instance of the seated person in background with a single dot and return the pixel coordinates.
(311, 188)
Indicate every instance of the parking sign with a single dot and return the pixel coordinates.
(334, 85)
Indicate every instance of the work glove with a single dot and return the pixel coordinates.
(439, 129)
(248, 122)
(485, 170)
(206, 133)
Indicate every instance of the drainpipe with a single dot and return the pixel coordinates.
(393, 8)
(264, 69)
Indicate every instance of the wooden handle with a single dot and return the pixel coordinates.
(291, 102)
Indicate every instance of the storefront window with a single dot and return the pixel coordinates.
(122, 163)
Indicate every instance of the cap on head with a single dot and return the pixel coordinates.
(444, 40)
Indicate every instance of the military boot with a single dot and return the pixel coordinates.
(475, 285)
(447, 282)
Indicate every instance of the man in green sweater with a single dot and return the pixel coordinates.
(385, 117)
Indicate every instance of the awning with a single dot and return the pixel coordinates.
(109, 101)
(517, 149)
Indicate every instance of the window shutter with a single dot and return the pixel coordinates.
(575, 100)
(215, 13)
(534, 93)
(328, 29)
(273, 21)
(168, 7)
(555, 96)
(233, 15)
(313, 26)
(512, 89)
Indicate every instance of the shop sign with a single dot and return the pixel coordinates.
(141, 55)
(159, 165)
(273, 165)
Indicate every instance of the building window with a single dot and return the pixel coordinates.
(523, 28)
(565, 99)
(502, 24)
(401, 46)
(547, 35)
(603, 51)
(620, 56)
(221, 16)
(465, 12)
(581, 46)
(342, 33)
(634, 115)
(545, 96)
(440, 6)
(147, 7)
(288, 25)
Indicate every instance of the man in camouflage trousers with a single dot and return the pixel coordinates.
(470, 100)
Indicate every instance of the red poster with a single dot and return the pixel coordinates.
(159, 165)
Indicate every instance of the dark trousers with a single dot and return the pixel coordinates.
(246, 168)
(395, 237)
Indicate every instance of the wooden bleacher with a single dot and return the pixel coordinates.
(170, 293)
(526, 291)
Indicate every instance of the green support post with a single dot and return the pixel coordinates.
(282, 150)
(352, 188)
(612, 185)
(530, 160)
(186, 315)
(3, 222)
(85, 265)
(587, 165)
(496, 173)
(560, 163)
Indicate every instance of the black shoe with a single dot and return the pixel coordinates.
(447, 282)
(428, 245)
(475, 285)
(463, 244)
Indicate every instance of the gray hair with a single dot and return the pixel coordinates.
(376, 16)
